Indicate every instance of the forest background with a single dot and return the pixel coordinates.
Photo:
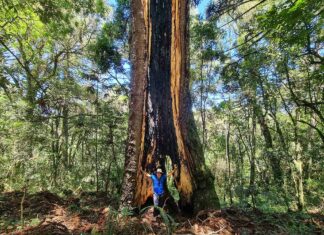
(256, 79)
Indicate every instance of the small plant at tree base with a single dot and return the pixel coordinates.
(167, 219)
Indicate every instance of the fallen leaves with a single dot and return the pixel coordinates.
(47, 213)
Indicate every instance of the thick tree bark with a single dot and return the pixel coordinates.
(161, 122)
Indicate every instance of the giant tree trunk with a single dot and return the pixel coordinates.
(161, 122)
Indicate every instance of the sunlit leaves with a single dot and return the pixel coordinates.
(294, 22)
(105, 51)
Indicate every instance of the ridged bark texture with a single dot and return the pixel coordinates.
(161, 122)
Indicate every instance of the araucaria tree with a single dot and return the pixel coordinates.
(161, 122)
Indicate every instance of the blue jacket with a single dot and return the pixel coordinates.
(158, 184)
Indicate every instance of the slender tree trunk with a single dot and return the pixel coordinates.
(252, 160)
(285, 156)
(202, 105)
(241, 171)
(96, 138)
(55, 149)
(65, 127)
(113, 157)
(299, 181)
(229, 163)
(160, 120)
(298, 166)
(274, 160)
(65, 124)
(310, 146)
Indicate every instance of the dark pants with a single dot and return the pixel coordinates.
(158, 200)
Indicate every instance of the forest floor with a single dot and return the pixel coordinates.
(92, 213)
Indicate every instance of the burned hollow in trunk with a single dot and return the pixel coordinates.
(160, 121)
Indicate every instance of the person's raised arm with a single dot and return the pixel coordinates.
(172, 172)
(145, 173)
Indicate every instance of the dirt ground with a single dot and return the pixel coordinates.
(93, 213)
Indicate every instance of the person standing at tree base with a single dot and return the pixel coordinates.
(159, 185)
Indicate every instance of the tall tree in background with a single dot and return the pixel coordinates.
(160, 120)
(51, 86)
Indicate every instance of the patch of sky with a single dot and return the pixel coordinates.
(202, 8)
(215, 98)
